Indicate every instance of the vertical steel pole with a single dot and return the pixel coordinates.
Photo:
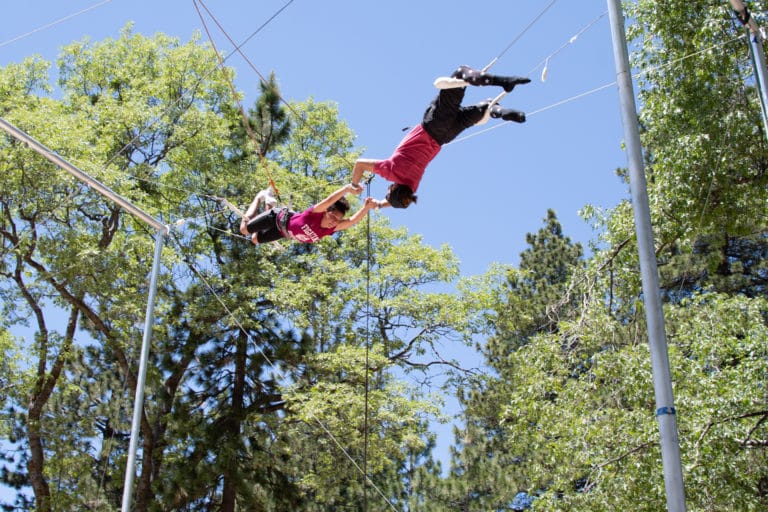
(138, 403)
(662, 382)
(162, 230)
(758, 56)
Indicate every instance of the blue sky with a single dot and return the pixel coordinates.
(377, 61)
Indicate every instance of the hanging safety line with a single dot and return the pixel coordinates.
(572, 40)
(367, 348)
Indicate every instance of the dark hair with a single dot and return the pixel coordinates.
(341, 206)
(401, 196)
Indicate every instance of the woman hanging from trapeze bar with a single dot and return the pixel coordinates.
(309, 226)
(443, 120)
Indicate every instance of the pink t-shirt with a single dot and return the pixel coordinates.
(305, 226)
(407, 164)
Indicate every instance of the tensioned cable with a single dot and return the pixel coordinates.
(277, 370)
(53, 23)
(493, 61)
(572, 40)
(238, 47)
(557, 104)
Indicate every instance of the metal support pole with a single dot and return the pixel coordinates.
(162, 230)
(80, 175)
(662, 382)
(758, 56)
(138, 403)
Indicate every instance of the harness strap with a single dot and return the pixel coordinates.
(283, 216)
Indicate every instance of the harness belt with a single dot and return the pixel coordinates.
(283, 216)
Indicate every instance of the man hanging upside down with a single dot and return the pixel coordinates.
(443, 120)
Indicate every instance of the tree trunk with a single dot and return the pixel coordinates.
(43, 390)
(233, 425)
(36, 463)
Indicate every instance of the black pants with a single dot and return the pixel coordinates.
(445, 118)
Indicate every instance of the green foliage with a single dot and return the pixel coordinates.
(489, 467)
(277, 373)
(705, 146)
(249, 344)
(570, 417)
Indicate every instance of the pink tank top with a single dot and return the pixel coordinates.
(407, 164)
(305, 226)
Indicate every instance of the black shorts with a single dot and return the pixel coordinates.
(265, 225)
(446, 118)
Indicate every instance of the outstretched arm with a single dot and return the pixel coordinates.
(328, 201)
(361, 165)
(369, 204)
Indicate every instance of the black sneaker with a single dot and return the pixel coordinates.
(507, 114)
(508, 82)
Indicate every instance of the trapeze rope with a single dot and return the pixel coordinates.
(255, 69)
(246, 123)
(157, 118)
(238, 47)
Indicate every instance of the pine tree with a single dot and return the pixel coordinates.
(489, 470)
